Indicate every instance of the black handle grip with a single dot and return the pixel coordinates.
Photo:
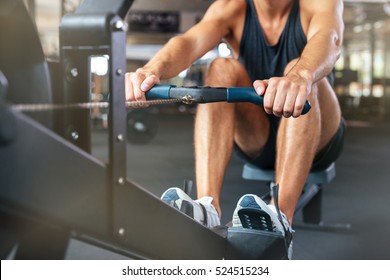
(210, 94)
(250, 95)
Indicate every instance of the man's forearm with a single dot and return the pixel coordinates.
(319, 57)
(173, 58)
(324, 40)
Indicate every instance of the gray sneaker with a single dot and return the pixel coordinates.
(201, 210)
(252, 212)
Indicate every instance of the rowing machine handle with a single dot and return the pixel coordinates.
(210, 94)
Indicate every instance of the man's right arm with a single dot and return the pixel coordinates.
(181, 51)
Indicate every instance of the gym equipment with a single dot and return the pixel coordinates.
(52, 188)
(26, 71)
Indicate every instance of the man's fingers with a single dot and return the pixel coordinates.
(132, 87)
(139, 95)
(128, 87)
(269, 96)
(300, 102)
(136, 84)
(260, 86)
(283, 89)
(148, 83)
(289, 105)
(283, 97)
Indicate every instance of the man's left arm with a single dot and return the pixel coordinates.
(286, 96)
(324, 40)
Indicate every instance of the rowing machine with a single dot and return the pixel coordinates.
(53, 188)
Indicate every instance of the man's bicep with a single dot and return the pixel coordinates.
(327, 18)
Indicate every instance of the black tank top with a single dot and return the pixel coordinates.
(262, 60)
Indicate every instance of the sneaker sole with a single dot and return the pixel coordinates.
(246, 201)
(253, 214)
(253, 218)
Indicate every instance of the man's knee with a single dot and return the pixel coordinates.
(221, 64)
(226, 72)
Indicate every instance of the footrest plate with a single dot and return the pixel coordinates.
(249, 244)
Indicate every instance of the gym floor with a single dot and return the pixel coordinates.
(358, 196)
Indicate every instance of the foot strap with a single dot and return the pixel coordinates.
(287, 234)
(204, 214)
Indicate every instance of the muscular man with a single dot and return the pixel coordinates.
(286, 49)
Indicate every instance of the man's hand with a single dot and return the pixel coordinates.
(139, 82)
(284, 96)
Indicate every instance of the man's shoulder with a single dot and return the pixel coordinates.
(327, 13)
(230, 5)
(226, 11)
(312, 6)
